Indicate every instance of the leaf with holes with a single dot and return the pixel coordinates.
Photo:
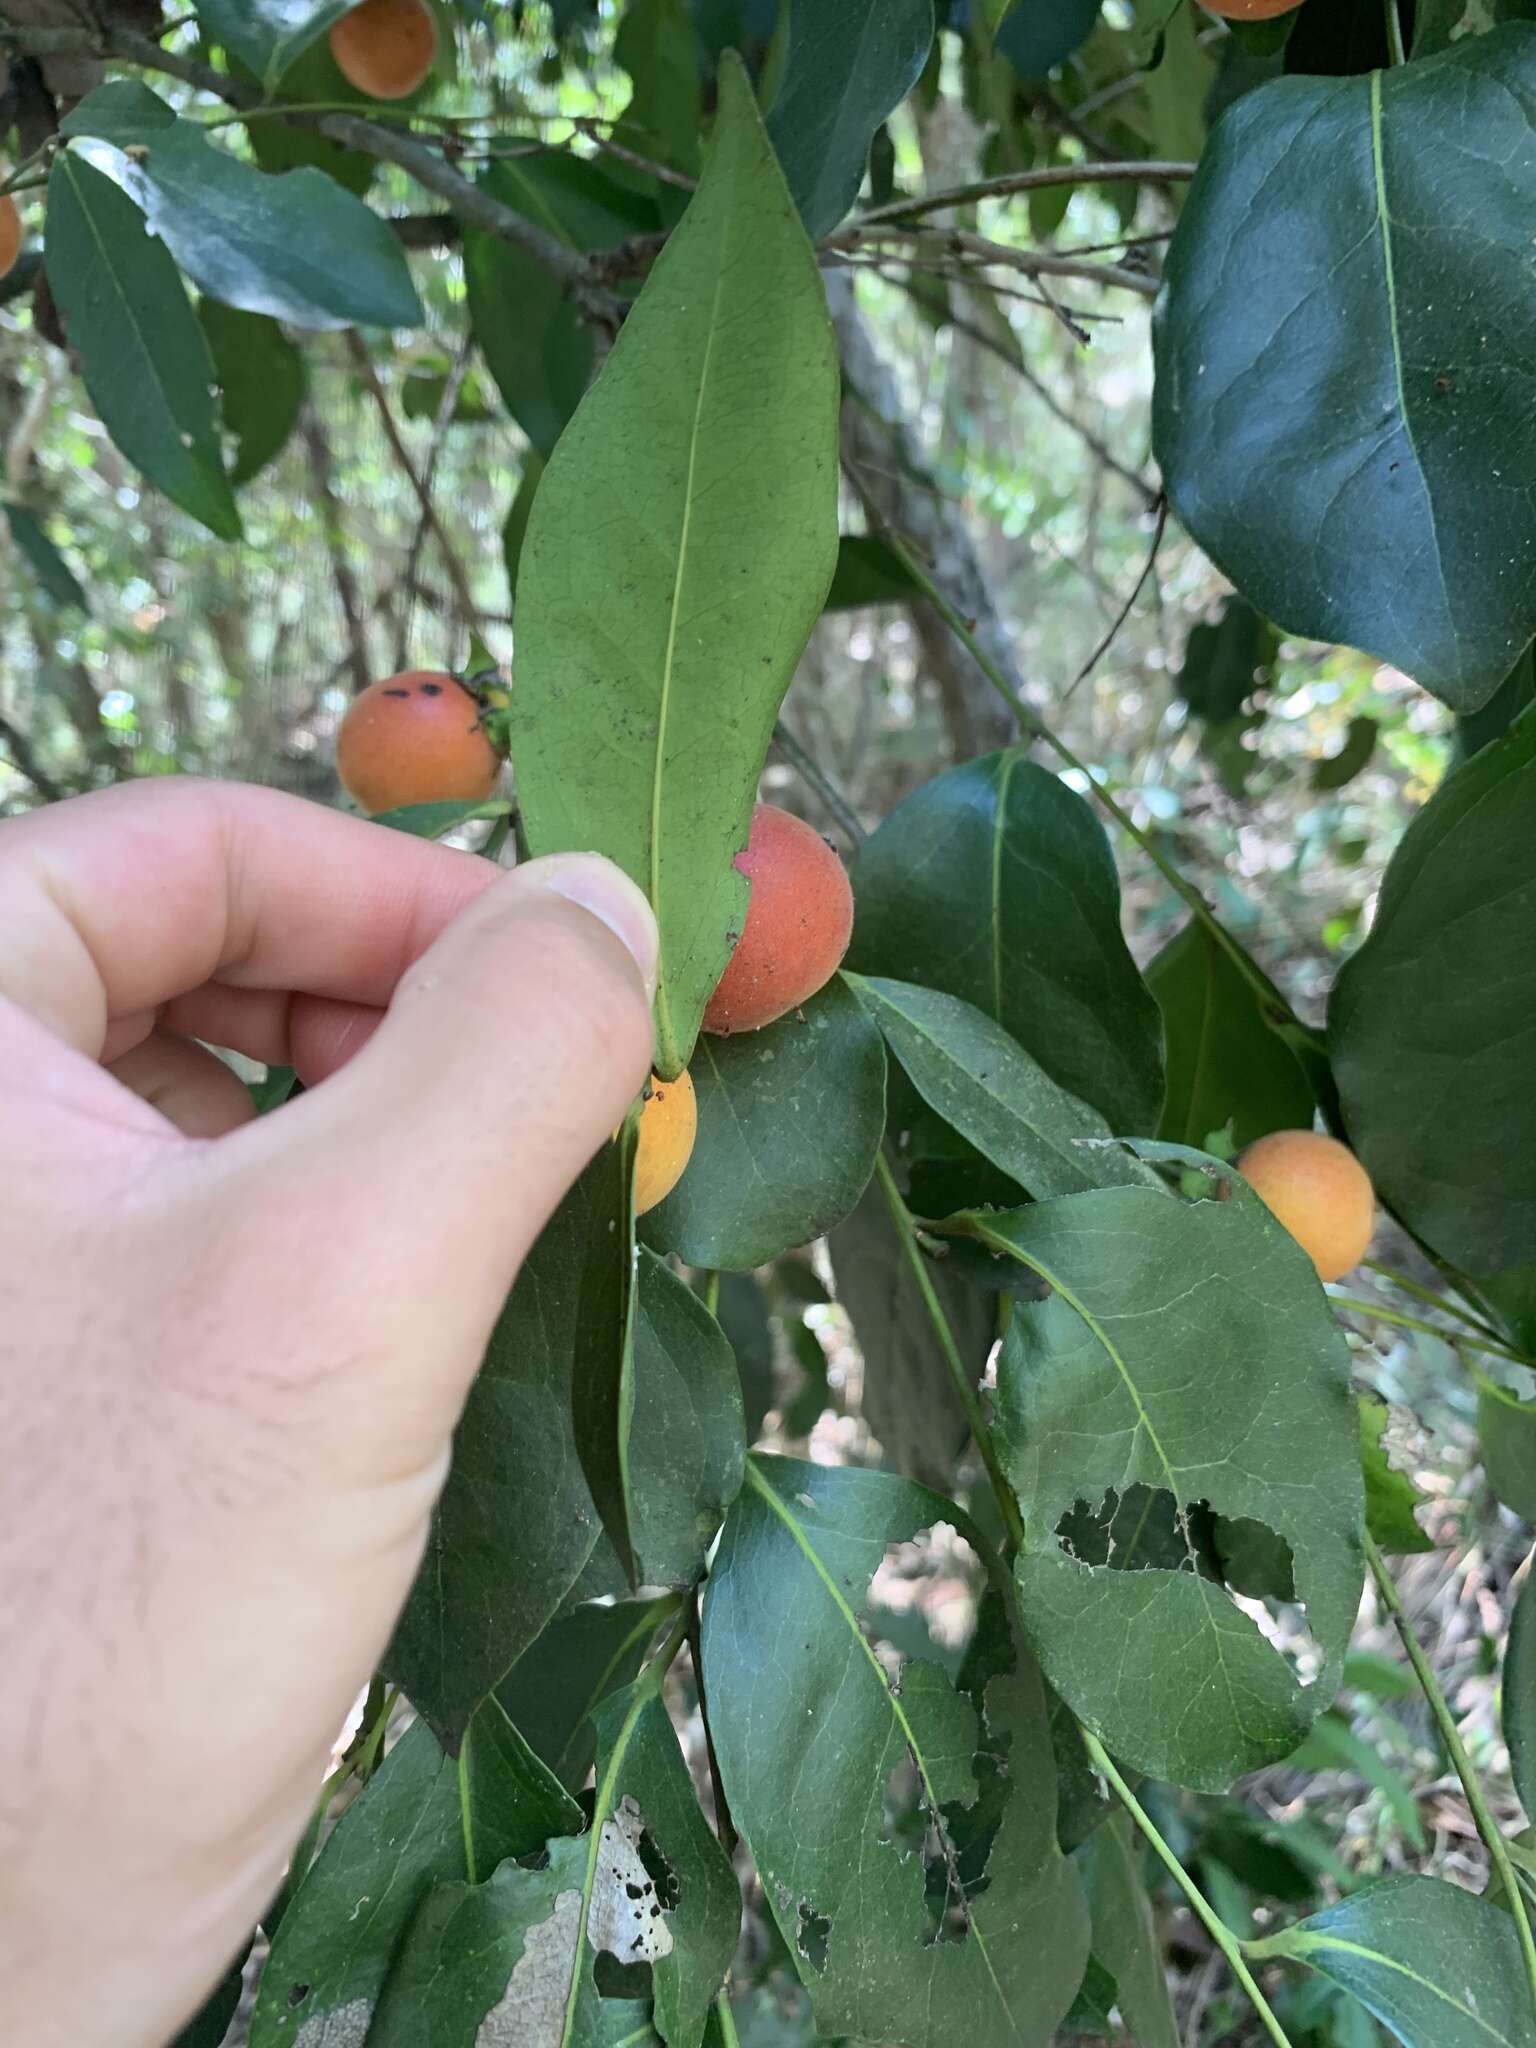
(1390, 1495)
(790, 1120)
(995, 883)
(1437, 1966)
(1185, 1347)
(133, 331)
(696, 489)
(845, 68)
(974, 1938)
(988, 1089)
(1432, 1023)
(1338, 365)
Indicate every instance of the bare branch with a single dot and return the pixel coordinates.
(959, 242)
(1129, 172)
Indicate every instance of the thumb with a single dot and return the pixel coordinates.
(510, 1051)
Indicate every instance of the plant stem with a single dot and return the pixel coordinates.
(708, 1290)
(729, 2038)
(1455, 1338)
(1439, 1706)
(1395, 51)
(1219, 1932)
(800, 757)
(901, 1216)
(1439, 1301)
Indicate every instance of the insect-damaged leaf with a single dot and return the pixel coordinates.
(980, 1940)
(676, 557)
(1186, 1348)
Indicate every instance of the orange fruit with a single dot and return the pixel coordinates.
(385, 47)
(798, 923)
(669, 1123)
(12, 233)
(1321, 1193)
(415, 738)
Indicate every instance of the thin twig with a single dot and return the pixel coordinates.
(1131, 172)
(811, 770)
(318, 448)
(611, 146)
(1160, 526)
(1149, 494)
(1034, 263)
(453, 384)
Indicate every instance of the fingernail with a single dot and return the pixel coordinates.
(606, 892)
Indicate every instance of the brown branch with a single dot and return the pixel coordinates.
(956, 242)
(321, 470)
(1145, 173)
(453, 384)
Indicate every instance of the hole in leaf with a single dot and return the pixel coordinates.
(812, 1935)
(614, 1979)
(297, 1995)
(660, 1872)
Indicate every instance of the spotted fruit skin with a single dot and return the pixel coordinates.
(415, 738)
(385, 47)
(669, 1123)
(1319, 1190)
(798, 923)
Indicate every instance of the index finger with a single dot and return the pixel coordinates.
(113, 903)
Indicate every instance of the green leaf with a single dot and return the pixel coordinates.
(1225, 662)
(1519, 1693)
(810, 1727)
(515, 1523)
(1335, 770)
(510, 1800)
(603, 1383)
(313, 79)
(790, 1119)
(989, 1089)
(658, 46)
(53, 573)
(297, 247)
(994, 13)
(210, 2023)
(994, 882)
(868, 572)
(743, 1315)
(710, 443)
(515, 531)
(845, 69)
(1438, 23)
(687, 1438)
(1334, 1745)
(1226, 1062)
(1178, 84)
(1377, 426)
(262, 383)
(1125, 1940)
(1438, 1967)
(553, 1688)
(329, 1957)
(268, 34)
(1432, 1024)
(1188, 1348)
(1390, 1495)
(140, 349)
(437, 820)
(1510, 700)
(1506, 1429)
(1036, 38)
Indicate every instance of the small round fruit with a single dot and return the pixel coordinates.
(385, 47)
(1321, 1193)
(1249, 10)
(415, 738)
(669, 1123)
(798, 923)
(11, 233)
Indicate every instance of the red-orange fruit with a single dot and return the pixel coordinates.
(669, 1123)
(1249, 10)
(11, 232)
(385, 47)
(797, 927)
(1319, 1190)
(415, 738)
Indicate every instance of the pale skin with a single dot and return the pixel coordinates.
(232, 1352)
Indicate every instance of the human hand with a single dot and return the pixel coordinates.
(232, 1352)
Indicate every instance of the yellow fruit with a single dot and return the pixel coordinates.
(1321, 1193)
(669, 1123)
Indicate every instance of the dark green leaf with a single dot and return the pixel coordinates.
(1438, 1967)
(1513, 697)
(1335, 1745)
(515, 1523)
(1188, 1348)
(424, 388)
(1359, 744)
(268, 34)
(435, 821)
(313, 79)
(140, 349)
(868, 572)
(995, 883)
(1519, 1693)
(603, 1385)
(511, 1801)
(987, 1088)
(261, 383)
(515, 530)
(1125, 1940)
(845, 69)
(810, 1728)
(714, 420)
(1438, 23)
(687, 1439)
(1038, 37)
(1377, 426)
(1178, 85)
(552, 1689)
(30, 539)
(1225, 662)
(210, 2023)
(1506, 1429)
(790, 1118)
(297, 247)
(1226, 1062)
(1390, 1495)
(273, 1089)
(659, 47)
(743, 1315)
(1433, 1022)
